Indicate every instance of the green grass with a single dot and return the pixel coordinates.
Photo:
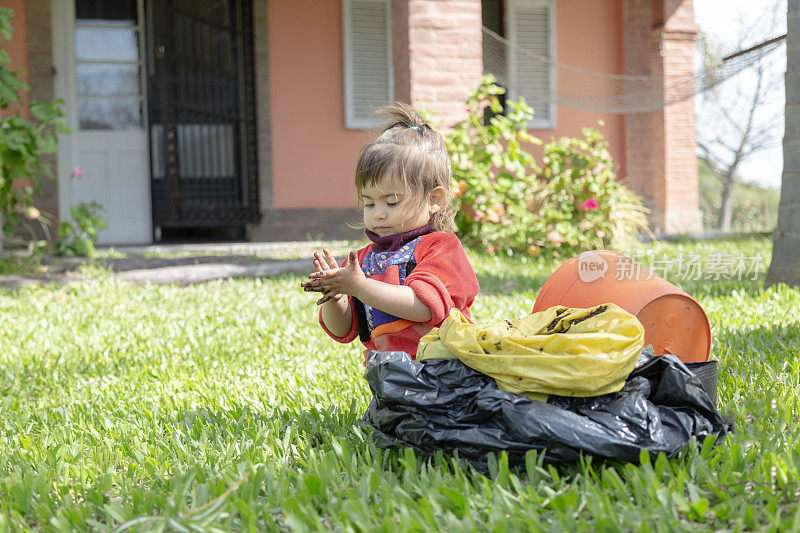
(223, 406)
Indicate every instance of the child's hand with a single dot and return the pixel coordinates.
(346, 279)
(323, 264)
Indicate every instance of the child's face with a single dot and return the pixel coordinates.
(389, 209)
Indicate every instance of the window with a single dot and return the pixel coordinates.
(108, 65)
(529, 26)
(368, 80)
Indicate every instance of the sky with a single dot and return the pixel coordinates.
(726, 20)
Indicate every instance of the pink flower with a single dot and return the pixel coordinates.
(77, 172)
(589, 204)
(493, 216)
(555, 237)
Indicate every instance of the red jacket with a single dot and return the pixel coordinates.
(442, 279)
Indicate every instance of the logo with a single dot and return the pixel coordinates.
(591, 266)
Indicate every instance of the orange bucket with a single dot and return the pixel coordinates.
(673, 321)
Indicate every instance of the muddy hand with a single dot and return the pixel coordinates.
(342, 280)
(323, 262)
(329, 294)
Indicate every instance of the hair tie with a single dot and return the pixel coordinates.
(414, 128)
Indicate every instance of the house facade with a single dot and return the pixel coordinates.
(244, 118)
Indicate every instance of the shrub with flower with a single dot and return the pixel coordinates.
(507, 201)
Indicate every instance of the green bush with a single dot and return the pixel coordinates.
(80, 239)
(507, 201)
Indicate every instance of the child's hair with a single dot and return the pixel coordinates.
(410, 149)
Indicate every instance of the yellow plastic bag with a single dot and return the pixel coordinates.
(563, 350)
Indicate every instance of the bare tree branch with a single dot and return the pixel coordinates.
(731, 123)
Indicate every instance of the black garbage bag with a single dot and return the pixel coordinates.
(443, 404)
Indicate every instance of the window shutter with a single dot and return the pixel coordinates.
(368, 80)
(531, 27)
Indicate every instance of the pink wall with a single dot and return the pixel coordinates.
(314, 156)
(590, 35)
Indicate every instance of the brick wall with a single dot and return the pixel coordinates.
(41, 80)
(437, 54)
(660, 145)
(681, 188)
(642, 165)
(17, 48)
(32, 35)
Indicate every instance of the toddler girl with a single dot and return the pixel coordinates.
(396, 289)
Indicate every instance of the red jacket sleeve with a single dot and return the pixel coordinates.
(443, 278)
(353, 333)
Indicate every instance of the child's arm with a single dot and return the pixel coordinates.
(337, 315)
(443, 278)
(396, 300)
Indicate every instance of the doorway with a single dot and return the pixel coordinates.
(99, 55)
(160, 98)
(202, 115)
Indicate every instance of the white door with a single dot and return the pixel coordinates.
(100, 69)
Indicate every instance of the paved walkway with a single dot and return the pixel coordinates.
(183, 264)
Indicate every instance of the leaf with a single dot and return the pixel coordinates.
(697, 509)
(313, 483)
(135, 522)
(527, 137)
(83, 246)
(459, 502)
(48, 143)
(6, 15)
(64, 230)
(43, 111)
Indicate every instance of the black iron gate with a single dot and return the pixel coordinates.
(202, 113)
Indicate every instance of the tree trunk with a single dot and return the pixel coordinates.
(726, 205)
(785, 266)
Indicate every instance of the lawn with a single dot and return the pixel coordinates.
(224, 406)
